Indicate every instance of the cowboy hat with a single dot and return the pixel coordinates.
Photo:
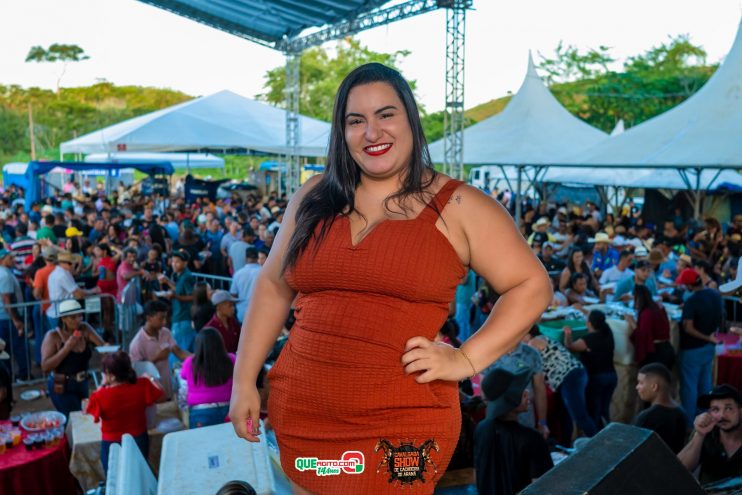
(601, 237)
(504, 390)
(66, 257)
(69, 307)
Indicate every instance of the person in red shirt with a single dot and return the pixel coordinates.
(224, 320)
(120, 404)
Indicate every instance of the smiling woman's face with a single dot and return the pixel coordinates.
(377, 131)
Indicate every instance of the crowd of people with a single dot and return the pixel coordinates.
(618, 259)
(128, 249)
(78, 244)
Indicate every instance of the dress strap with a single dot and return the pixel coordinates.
(433, 209)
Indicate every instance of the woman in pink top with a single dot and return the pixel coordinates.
(209, 376)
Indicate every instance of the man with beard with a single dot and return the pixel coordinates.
(716, 444)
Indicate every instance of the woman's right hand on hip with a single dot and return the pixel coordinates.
(244, 411)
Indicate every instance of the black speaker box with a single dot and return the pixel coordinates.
(620, 460)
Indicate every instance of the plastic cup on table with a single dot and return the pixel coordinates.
(28, 443)
(8, 441)
(16, 435)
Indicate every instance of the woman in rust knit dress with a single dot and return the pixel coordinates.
(362, 399)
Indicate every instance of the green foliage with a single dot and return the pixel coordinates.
(71, 113)
(569, 64)
(650, 83)
(56, 53)
(321, 75)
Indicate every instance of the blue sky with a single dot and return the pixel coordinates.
(133, 43)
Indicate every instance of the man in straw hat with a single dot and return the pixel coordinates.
(507, 455)
(604, 255)
(62, 286)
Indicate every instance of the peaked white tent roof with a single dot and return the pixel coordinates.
(177, 160)
(220, 121)
(533, 129)
(704, 131)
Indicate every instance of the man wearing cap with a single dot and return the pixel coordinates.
(642, 276)
(41, 293)
(224, 320)
(243, 282)
(507, 455)
(604, 256)
(11, 320)
(702, 317)
(62, 286)
(716, 444)
(181, 296)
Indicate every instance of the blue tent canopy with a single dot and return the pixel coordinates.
(40, 168)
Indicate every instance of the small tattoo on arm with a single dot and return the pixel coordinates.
(458, 199)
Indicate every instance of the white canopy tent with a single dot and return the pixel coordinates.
(693, 142)
(220, 122)
(526, 136)
(177, 160)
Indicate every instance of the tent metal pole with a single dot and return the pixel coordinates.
(518, 206)
(698, 193)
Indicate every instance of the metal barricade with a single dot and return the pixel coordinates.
(25, 351)
(215, 281)
(732, 307)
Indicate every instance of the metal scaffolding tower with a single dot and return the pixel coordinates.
(379, 17)
(293, 130)
(453, 116)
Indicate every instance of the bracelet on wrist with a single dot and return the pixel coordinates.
(466, 356)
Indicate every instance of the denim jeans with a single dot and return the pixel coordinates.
(695, 377)
(598, 394)
(16, 347)
(573, 394)
(105, 447)
(207, 417)
(184, 336)
(71, 399)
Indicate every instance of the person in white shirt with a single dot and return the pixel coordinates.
(62, 286)
(243, 282)
(619, 272)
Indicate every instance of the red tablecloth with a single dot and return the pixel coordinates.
(729, 370)
(729, 363)
(38, 472)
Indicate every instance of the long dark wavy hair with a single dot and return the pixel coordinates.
(211, 363)
(335, 192)
(643, 299)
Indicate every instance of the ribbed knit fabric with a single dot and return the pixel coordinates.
(339, 384)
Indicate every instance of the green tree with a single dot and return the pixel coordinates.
(57, 53)
(321, 74)
(649, 84)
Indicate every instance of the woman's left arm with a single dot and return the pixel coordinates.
(93, 336)
(486, 239)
